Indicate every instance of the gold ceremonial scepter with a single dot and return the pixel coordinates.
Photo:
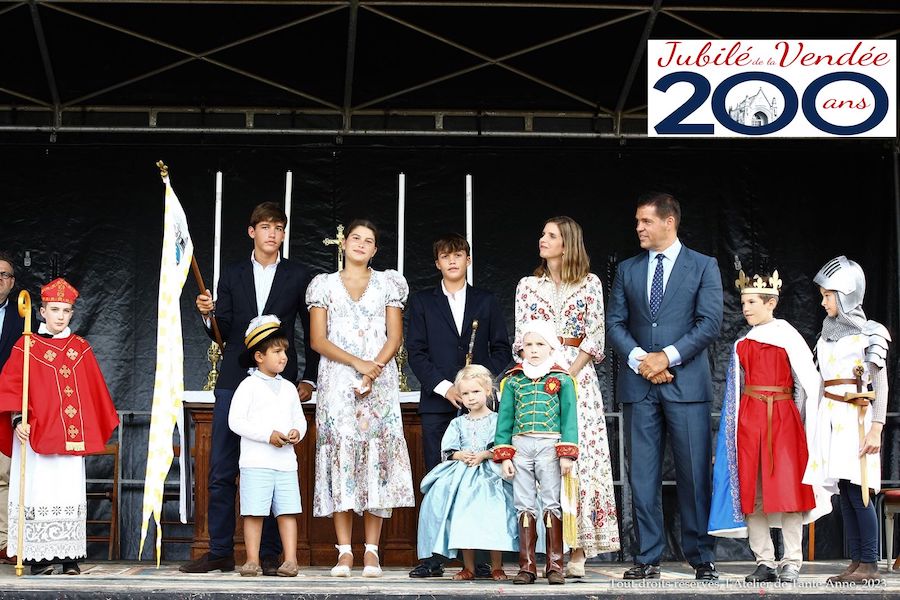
(25, 313)
(472, 342)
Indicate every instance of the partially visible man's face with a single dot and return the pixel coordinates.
(654, 233)
(7, 280)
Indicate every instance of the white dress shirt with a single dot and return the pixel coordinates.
(457, 301)
(670, 254)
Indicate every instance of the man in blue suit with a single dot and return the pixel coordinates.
(664, 311)
(438, 337)
(262, 284)
(11, 326)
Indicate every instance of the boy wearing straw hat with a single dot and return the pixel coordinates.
(70, 414)
(266, 414)
(537, 442)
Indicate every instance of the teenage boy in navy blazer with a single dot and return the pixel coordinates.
(439, 330)
(262, 284)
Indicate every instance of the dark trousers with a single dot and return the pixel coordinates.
(434, 425)
(223, 473)
(860, 523)
(688, 424)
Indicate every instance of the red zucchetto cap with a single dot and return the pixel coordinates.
(59, 290)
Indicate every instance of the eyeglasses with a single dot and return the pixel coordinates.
(4, 275)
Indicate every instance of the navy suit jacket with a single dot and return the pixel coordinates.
(236, 307)
(437, 351)
(13, 325)
(689, 317)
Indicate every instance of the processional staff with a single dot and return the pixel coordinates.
(25, 313)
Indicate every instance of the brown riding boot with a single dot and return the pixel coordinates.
(554, 570)
(841, 577)
(865, 574)
(527, 542)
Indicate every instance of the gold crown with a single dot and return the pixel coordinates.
(758, 284)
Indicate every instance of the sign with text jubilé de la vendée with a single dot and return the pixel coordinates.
(772, 88)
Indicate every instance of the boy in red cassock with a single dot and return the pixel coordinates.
(70, 414)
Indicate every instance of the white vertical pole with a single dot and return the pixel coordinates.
(401, 219)
(470, 196)
(288, 187)
(217, 236)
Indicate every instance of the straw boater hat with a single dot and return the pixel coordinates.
(260, 328)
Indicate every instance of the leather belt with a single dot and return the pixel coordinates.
(861, 400)
(571, 341)
(774, 394)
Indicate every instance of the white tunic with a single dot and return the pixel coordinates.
(835, 448)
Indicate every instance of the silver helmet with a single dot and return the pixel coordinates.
(846, 278)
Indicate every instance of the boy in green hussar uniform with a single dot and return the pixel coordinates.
(536, 442)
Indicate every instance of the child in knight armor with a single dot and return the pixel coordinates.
(851, 353)
(763, 436)
(537, 444)
(467, 504)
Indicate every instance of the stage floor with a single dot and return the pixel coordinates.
(140, 580)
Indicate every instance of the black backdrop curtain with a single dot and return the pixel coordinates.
(95, 211)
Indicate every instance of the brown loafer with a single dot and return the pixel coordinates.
(499, 575)
(464, 575)
(524, 578)
(250, 569)
(288, 569)
(555, 578)
(6, 559)
(207, 563)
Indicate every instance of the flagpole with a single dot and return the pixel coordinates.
(25, 313)
(469, 210)
(401, 220)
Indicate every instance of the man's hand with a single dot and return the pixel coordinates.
(304, 390)
(509, 470)
(664, 377)
(453, 396)
(23, 431)
(872, 441)
(653, 364)
(565, 466)
(278, 439)
(205, 303)
(293, 436)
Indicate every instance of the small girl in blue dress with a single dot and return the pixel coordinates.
(467, 504)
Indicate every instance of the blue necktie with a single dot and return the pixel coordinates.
(656, 288)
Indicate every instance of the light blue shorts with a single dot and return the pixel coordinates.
(265, 491)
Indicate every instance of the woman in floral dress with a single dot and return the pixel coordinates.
(362, 463)
(564, 291)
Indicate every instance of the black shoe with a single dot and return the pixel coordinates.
(207, 563)
(762, 574)
(70, 567)
(269, 565)
(642, 571)
(706, 572)
(42, 569)
(429, 568)
(482, 571)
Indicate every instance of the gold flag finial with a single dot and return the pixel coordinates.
(163, 169)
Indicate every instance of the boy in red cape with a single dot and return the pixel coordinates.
(70, 414)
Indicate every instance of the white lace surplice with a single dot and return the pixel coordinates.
(55, 525)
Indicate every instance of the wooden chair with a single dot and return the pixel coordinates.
(171, 494)
(890, 506)
(112, 495)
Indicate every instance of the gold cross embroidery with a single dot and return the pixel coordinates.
(65, 371)
(49, 355)
(71, 411)
(72, 353)
(73, 431)
(68, 391)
